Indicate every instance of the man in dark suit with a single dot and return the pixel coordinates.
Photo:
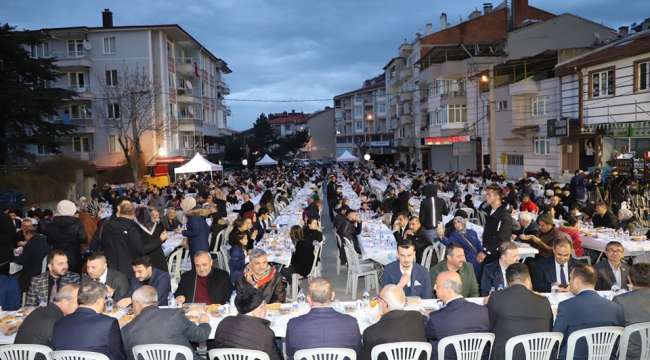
(459, 316)
(494, 274)
(585, 310)
(204, 284)
(404, 272)
(401, 226)
(395, 325)
(96, 332)
(97, 270)
(38, 325)
(604, 217)
(636, 305)
(33, 249)
(432, 209)
(145, 274)
(612, 271)
(555, 269)
(306, 331)
(517, 310)
(498, 224)
(145, 327)
(331, 196)
(43, 287)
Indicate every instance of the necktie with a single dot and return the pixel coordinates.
(562, 275)
(55, 289)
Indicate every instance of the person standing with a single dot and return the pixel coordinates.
(120, 239)
(498, 225)
(432, 209)
(66, 233)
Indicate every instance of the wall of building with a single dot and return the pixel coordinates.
(322, 144)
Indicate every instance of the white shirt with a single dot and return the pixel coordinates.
(503, 274)
(617, 274)
(406, 271)
(102, 278)
(557, 273)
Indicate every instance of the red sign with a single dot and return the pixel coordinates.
(445, 140)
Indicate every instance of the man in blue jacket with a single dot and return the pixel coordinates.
(494, 274)
(307, 331)
(407, 274)
(87, 329)
(587, 309)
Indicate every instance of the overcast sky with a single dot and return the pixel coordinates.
(294, 49)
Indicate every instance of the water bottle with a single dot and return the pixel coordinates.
(109, 304)
(300, 299)
(366, 298)
(171, 300)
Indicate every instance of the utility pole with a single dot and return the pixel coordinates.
(493, 125)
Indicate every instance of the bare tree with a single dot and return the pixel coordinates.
(127, 107)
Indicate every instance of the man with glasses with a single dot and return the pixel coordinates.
(407, 274)
(612, 272)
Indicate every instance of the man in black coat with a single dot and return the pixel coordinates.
(604, 217)
(351, 228)
(38, 325)
(432, 209)
(66, 233)
(395, 325)
(119, 239)
(203, 281)
(7, 242)
(517, 310)
(331, 196)
(498, 224)
(31, 254)
(97, 270)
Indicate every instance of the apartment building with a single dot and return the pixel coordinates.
(322, 131)
(288, 123)
(188, 78)
(361, 121)
(606, 91)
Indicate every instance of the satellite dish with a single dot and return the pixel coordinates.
(188, 84)
(87, 45)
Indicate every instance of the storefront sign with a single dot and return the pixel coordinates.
(445, 140)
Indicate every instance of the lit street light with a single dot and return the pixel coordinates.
(244, 162)
(366, 157)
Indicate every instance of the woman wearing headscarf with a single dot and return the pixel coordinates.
(67, 233)
(153, 235)
(467, 238)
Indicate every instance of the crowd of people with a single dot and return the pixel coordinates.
(76, 265)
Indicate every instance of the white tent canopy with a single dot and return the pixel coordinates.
(266, 160)
(347, 157)
(198, 164)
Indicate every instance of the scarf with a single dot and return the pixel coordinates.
(265, 279)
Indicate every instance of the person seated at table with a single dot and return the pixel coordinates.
(554, 270)
(255, 232)
(468, 239)
(306, 331)
(603, 217)
(395, 325)
(242, 226)
(38, 325)
(33, 249)
(97, 270)
(517, 310)
(455, 261)
(350, 229)
(571, 227)
(205, 284)
(145, 274)
(549, 234)
(400, 226)
(494, 274)
(458, 316)
(312, 210)
(416, 234)
(612, 271)
(302, 258)
(312, 230)
(469, 203)
(527, 204)
(373, 203)
(556, 208)
(525, 225)
(264, 220)
(247, 205)
(636, 305)
(170, 222)
(43, 287)
(404, 272)
(94, 331)
(145, 327)
(237, 256)
(249, 329)
(264, 277)
(10, 295)
(587, 309)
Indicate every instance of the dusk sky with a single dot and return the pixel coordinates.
(292, 49)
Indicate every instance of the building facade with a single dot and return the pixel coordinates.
(322, 131)
(187, 84)
(288, 123)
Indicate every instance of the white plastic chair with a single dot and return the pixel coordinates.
(77, 355)
(339, 242)
(468, 346)
(358, 270)
(224, 257)
(408, 350)
(600, 341)
(537, 346)
(440, 250)
(643, 329)
(174, 263)
(427, 256)
(44, 265)
(218, 241)
(236, 354)
(161, 352)
(325, 354)
(24, 352)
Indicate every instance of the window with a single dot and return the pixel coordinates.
(542, 145)
(357, 111)
(602, 83)
(109, 45)
(81, 144)
(76, 80)
(113, 111)
(188, 141)
(502, 105)
(358, 125)
(642, 70)
(538, 106)
(457, 113)
(41, 50)
(111, 78)
(43, 149)
(79, 111)
(113, 144)
(75, 48)
(382, 107)
(449, 87)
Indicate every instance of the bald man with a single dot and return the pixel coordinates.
(459, 316)
(395, 325)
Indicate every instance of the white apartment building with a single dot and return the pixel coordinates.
(189, 79)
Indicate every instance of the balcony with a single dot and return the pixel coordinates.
(453, 125)
(405, 119)
(82, 92)
(188, 98)
(185, 65)
(84, 156)
(525, 87)
(225, 89)
(72, 59)
(186, 119)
